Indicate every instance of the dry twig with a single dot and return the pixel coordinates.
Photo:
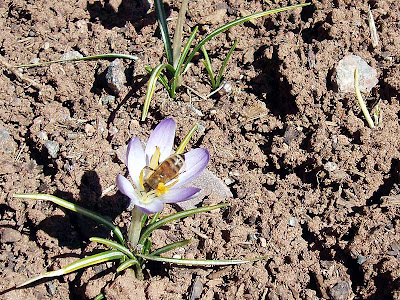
(19, 75)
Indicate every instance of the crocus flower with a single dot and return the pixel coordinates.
(141, 163)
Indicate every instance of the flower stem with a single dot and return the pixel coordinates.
(135, 228)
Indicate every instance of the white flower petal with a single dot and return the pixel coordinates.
(135, 160)
(126, 188)
(163, 137)
(179, 195)
(152, 207)
(196, 161)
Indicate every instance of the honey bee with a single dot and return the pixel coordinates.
(164, 173)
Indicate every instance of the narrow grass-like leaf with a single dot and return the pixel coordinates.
(207, 64)
(178, 35)
(237, 22)
(170, 247)
(179, 215)
(79, 264)
(161, 78)
(154, 218)
(146, 247)
(186, 139)
(99, 56)
(76, 208)
(127, 264)
(99, 297)
(224, 64)
(152, 84)
(199, 262)
(177, 74)
(114, 245)
(162, 21)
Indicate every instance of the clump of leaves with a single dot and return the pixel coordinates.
(170, 74)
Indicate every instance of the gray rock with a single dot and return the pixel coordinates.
(292, 222)
(115, 76)
(52, 147)
(9, 235)
(361, 259)
(330, 166)
(340, 291)
(7, 143)
(107, 99)
(197, 289)
(71, 55)
(209, 184)
(42, 135)
(344, 75)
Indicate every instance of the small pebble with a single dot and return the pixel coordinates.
(344, 78)
(361, 259)
(228, 180)
(51, 289)
(213, 112)
(292, 222)
(340, 291)
(9, 235)
(226, 88)
(52, 147)
(115, 76)
(197, 289)
(90, 130)
(107, 99)
(263, 242)
(71, 55)
(291, 134)
(42, 135)
(35, 60)
(196, 111)
(330, 166)
(7, 143)
(201, 129)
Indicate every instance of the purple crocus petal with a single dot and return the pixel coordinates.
(178, 195)
(135, 160)
(126, 188)
(163, 137)
(195, 162)
(151, 208)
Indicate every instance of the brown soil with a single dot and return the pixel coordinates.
(309, 179)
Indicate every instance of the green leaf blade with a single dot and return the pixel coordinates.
(177, 43)
(127, 264)
(75, 208)
(199, 262)
(224, 64)
(79, 264)
(162, 21)
(179, 215)
(207, 64)
(170, 247)
(114, 245)
(152, 85)
(91, 57)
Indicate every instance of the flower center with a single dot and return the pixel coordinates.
(149, 195)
